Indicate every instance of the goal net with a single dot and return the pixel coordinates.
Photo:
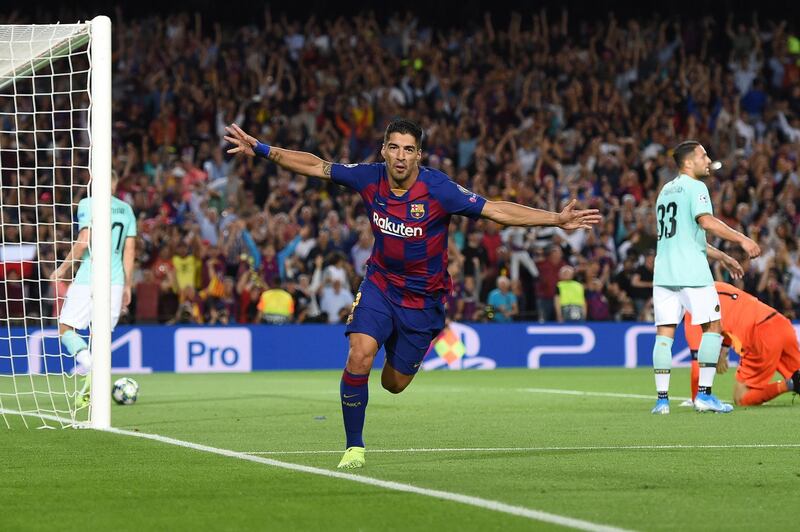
(54, 105)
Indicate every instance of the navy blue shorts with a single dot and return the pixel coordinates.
(406, 333)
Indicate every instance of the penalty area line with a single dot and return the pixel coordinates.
(497, 506)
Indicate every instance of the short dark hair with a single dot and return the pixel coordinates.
(406, 127)
(683, 150)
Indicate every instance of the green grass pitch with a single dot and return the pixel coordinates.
(576, 456)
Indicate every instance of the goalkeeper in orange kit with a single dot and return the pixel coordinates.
(764, 339)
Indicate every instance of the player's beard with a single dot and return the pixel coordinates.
(401, 178)
(703, 173)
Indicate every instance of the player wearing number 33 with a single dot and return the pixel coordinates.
(682, 279)
(77, 310)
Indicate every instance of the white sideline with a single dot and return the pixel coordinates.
(487, 504)
(546, 449)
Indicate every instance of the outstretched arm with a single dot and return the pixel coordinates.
(299, 162)
(508, 213)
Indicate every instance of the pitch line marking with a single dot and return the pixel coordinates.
(557, 391)
(487, 504)
(519, 511)
(497, 506)
(546, 449)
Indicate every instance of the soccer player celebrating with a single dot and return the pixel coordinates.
(77, 310)
(764, 339)
(400, 303)
(682, 280)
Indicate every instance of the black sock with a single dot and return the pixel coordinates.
(663, 395)
(704, 389)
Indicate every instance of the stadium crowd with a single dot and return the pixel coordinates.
(549, 108)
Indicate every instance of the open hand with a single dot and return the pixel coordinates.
(569, 218)
(243, 143)
(732, 266)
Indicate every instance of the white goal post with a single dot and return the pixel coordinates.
(55, 148)
(100, 169)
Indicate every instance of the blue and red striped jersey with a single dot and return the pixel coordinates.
(409, 257)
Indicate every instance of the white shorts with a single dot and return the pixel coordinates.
(670, 303)
(77, 309)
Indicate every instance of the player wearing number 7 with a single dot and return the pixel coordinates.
(682, 279)
(77, 310)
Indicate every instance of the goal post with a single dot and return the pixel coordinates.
(55, 149)
(100, 169)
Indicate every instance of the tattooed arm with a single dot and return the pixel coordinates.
(299, 162)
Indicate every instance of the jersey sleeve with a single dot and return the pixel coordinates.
(355, 176)
(700, 200)
(458, 200)
(131, 223)
(84, 214)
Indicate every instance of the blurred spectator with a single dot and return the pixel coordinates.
(570, 301)
(624, 277)
(522, 299)
(361, 251)
(269, 269)
(335, 301)
(222, 310)
(771, 292)
(338, 270)
(462, 303)
(598, 307)
(276, 306)
(187, 267)
(502, 303)
(492, 243)
(306, 309)
(641, 287)
(189, 307)
(548, 280)
(476, 260)
(518, 240)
